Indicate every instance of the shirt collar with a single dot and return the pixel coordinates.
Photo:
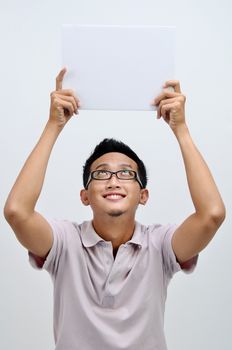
(90, 237)
(138, 235)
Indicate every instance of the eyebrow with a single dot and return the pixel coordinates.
(107, 165)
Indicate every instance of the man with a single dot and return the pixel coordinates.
(111, 274)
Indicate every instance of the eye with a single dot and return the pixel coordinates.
(129, 174)
(102, 171)
(101, 174)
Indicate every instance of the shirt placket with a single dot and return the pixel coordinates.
(113, 268)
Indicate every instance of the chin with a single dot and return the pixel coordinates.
(115, 213)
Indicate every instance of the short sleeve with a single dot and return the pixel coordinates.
(163, 240)
(51, 262)
(171, 266)
(171, 262)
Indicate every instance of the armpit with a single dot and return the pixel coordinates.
(189, 265)
(39, 262)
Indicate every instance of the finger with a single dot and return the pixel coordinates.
(70, 99)
(173, 83)
(165, 110)
(168, 101)
(170, 108)
(65, 105)
(164, 102)
(59, 79)
(165, 95)
(161, 109)
(69, 92)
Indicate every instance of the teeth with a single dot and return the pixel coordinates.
(114, 196)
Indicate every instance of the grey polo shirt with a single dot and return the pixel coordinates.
(106, 304)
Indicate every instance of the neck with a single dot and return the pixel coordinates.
(114, 229)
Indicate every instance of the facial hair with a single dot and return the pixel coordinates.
(116, 213)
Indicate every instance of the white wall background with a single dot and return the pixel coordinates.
(199, 308)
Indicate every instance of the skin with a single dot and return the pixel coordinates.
(114, 220)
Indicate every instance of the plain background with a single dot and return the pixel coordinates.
(199, 308)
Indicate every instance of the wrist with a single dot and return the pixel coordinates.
(50, 133)
(181, 132)
(54, 127)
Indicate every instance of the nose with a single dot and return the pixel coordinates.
(113, 182)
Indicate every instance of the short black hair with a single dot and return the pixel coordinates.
(112, 145)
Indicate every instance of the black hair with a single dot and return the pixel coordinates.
(112, 145)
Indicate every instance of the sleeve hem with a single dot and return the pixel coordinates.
(189, 265)
(42, 263)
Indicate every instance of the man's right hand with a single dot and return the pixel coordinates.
(31, 228)
(64, 103)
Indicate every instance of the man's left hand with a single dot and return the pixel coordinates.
(171, 105)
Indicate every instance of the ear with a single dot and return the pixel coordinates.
(84, 197)
(144, 195)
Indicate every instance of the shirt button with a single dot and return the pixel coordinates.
(108, 301)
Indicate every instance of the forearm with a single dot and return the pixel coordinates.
(26, 190)
(205, 196)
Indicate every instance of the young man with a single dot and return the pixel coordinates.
(111, 274)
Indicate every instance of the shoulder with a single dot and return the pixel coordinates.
(65, 232)
(158, 234)
(66, 240)
(64, 226)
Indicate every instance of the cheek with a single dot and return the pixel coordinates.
(134, 197)
(94, 195)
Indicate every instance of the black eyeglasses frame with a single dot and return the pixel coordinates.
(136, 176)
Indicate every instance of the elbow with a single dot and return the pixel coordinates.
(217, 216)
(13, 213)
(10, 212)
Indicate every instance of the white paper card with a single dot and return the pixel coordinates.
(117, 67)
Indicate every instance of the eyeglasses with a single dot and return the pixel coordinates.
(124, 174)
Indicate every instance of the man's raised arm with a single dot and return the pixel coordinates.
(199, 228)
(31, 229)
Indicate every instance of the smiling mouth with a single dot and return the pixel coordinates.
(114, 196)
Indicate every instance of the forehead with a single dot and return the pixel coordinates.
(114, 160)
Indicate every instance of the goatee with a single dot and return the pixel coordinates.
(116, 213)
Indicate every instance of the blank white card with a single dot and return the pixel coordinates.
(117, 67)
